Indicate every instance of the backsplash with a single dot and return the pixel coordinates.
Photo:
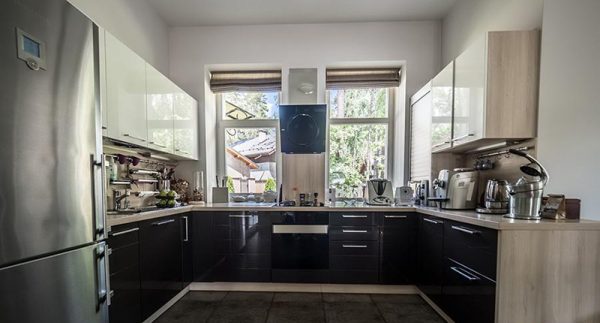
(134, 173)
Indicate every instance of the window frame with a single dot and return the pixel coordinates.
(389, 121)
(223, 124)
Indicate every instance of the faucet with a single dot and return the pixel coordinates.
(118, 197)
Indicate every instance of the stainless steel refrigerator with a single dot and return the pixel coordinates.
(52, 224)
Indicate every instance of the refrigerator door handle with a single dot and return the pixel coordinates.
(101, 276)
(107, 275)
(98, 169)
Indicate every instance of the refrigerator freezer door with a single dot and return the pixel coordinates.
(48, 130)
(68, 288)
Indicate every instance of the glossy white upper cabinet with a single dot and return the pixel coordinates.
(125, 93)
(441, 108)
(159, 102)
(469, 87)
(495, 90)
(185, 124)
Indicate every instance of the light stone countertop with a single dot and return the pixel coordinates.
(496, 222)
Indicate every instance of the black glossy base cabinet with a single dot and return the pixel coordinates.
(431, 256)
(125, 274)
(150, 263)
(399, 248)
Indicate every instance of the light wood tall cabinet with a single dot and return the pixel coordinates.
(496, 90)
(125, 93)
(159, 98)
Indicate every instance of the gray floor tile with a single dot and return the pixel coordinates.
(240, 311)
(248, 296)
(297, 312)
(345, 298)
(298, 297)
(188, 311)
(205, 296)
(408, 313)
(354, 312)
(397, 299)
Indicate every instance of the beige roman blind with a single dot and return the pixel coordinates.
(245, 81)
(340, 78)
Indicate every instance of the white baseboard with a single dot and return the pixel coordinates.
(305, 288)
(165, 307)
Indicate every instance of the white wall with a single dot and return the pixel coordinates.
(135, 23)
(194, 50)
(469, 19)
(569, 111)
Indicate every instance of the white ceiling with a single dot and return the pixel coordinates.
(249, 12)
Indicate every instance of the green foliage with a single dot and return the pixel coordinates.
(270, 185)
(357, 151)
(230, 187)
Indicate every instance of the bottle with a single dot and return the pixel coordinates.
(114, 170)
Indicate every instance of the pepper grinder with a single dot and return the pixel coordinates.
(316, 200)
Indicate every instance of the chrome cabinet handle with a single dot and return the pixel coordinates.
(464, 274)
(461, 229)
(243, 216)
(463, 137)
(163, 222)
(183, 151)
(116, 234)
(187, 229)
(354, 231)
(157, 144)
(432, 221)
(395, 216)
(353, 216)
(440, 145)
(354, 246)
(134, 137)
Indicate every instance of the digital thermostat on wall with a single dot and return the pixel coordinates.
(31, 50)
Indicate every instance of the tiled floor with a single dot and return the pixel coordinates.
(263, 307)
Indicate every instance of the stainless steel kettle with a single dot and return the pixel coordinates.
(496, 194)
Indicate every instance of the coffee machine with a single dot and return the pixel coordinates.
(456, 189)
(380, 192)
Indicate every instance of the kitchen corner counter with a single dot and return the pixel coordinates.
(496, 222)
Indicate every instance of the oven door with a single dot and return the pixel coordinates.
(300, 247)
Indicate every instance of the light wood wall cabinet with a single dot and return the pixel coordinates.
(495, 90)
(159, 98)
(125, 93)
(441, 108)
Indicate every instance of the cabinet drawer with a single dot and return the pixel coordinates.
(123, 235)
(347, 218)
(354, 263)
(354, 233)
(466, 295)
(354, 248)
(399, 219)
(353, 277)
(471, 245)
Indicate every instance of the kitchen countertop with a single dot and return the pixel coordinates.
(496, 222)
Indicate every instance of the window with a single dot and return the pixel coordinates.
(248, 133)
(359, 138)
